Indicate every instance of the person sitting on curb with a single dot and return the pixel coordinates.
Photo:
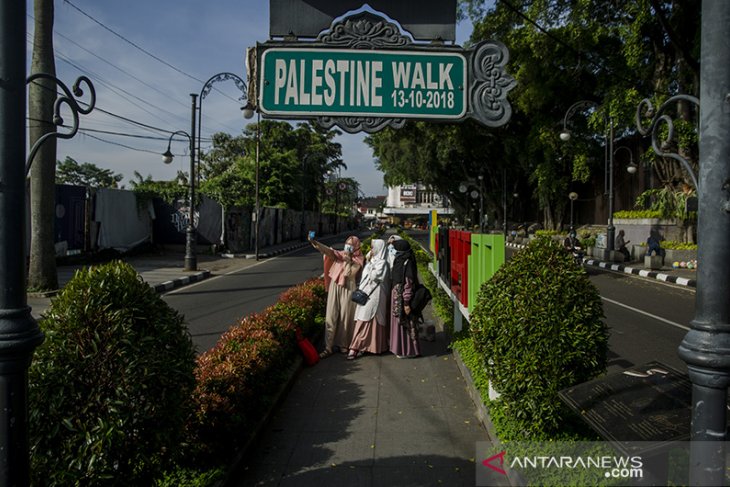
(653, 246)
(620, 245)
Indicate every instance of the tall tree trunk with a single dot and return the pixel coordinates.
(42, 94)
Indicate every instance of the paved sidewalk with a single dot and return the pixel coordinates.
(374, 421)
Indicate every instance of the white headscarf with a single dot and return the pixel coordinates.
(375, 275)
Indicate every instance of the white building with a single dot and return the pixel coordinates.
(415, 199)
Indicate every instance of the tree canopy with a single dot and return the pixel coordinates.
(292, 161)
(87, 174)
(561, 51)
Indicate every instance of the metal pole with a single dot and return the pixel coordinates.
(191, 260)
(571, 215)
(20, 333)
(705, 347)
(504, 202)
(481, 209)
(611, 230)
(256, 209)
(303, 224)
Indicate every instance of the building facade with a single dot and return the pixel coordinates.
(410, 200)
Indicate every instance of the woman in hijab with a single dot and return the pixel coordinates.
(371, 319)
(344, 266)
(404, 277)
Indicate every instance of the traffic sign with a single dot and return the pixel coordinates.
(351, 82)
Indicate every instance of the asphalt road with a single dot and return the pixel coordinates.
(647, 319)
(212, 306)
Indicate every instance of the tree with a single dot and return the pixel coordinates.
(292, 160)
(613, 53)
(42, 94)
(71, 172)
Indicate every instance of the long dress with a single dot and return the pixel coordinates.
(340, 315)
(371, 320)
(401, 343)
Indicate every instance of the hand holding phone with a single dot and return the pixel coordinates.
(311, 235)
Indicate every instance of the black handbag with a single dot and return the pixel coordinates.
(361, 297)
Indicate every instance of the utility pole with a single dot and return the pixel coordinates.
(42, 96)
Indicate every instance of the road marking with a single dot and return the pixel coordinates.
(659, 318)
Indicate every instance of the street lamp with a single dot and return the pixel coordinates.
(632, 167)
(191, 260)
(572, 196)
(565, 136)
(475, 193)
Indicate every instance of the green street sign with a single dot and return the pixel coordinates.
(296, 82)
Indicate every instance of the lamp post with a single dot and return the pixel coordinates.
(705, 347)
(197, 134)
(572, 196)
(20, 332)
(474, 193)
(191, 260)
(565, 136)
(631, 168)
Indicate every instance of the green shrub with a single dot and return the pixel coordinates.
(538, 324)
(674, 245)
(546, 233)
(637, 214)
(110, 387)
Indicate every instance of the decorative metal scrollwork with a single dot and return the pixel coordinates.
(659, 145)
(354, 125)
(364, 31)
(68, 99)
(208, 86)
(488, 91)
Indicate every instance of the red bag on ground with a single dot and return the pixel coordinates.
(311, 357)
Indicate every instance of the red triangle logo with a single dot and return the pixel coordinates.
(499, 456)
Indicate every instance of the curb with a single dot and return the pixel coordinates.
(660, 276)
(182, 281)
(266, 255)
(482, 412)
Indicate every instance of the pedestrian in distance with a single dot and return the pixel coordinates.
(620, 245)
(371, 319)
(572, 245)
(344, 266)
(404, 278)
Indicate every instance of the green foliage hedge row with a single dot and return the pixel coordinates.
(116, 395)
(237, 379)
(637, 214)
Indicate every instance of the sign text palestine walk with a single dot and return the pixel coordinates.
(355, 82)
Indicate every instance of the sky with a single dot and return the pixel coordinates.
(145, 58)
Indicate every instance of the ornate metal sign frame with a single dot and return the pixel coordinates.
(487, 81)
